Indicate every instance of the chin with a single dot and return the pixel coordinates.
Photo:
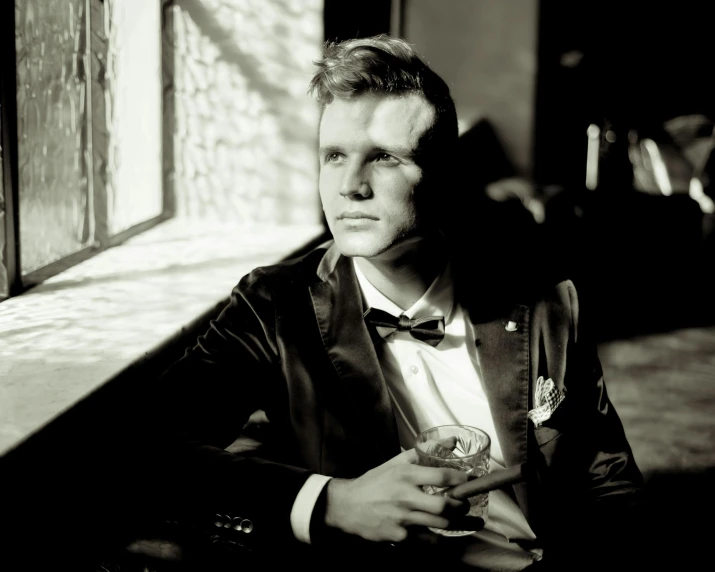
(369, 247)
(364, 247)
(356, 248)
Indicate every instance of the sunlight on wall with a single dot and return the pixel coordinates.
(134, 116)
(245, 130)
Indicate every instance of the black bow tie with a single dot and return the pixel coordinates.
(429, 330)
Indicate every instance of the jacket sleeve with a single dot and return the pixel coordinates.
(200, 407)
(593, 489)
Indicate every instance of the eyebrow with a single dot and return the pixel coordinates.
(389, 149)
(329, 149)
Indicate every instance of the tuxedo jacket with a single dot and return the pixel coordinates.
(292, 342)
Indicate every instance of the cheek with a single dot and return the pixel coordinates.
(402, 212)
(410, 211)
(325, 185)
(409, 201)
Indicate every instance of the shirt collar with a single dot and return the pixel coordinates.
(438, 300)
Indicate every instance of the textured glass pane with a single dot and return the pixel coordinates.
(3, 266)
(131, 92)
(245, 130)
(55, 213)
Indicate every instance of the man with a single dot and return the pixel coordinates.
(345, 394)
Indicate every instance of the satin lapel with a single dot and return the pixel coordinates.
(337, 302)
(504, 362)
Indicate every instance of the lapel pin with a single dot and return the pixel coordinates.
(510, 327)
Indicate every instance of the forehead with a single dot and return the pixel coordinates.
(381, 120)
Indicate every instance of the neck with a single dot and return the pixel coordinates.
(406, 274)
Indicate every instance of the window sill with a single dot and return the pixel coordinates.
(64, 339)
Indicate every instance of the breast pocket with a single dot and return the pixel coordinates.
(552, 427)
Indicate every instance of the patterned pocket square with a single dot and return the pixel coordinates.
(548, 398)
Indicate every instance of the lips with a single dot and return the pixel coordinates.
(356, 215)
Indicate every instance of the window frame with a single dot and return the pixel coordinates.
(17, 283)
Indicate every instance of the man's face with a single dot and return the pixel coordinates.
(368, 173)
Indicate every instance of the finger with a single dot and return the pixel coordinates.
(436, 476)
(439, 448)
(456, 510)
(406, 457)
(448, 442)
(466, 522)
(436, 504)
(396, 534)
(418, 518)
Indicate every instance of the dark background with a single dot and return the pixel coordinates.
(642, 263)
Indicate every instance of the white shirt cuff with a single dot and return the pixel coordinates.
(304, 504)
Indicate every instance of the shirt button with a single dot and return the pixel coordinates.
(414, 369)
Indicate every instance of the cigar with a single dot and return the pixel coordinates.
(490, 481)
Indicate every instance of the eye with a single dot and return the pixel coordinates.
(385, 158)
(333, 157)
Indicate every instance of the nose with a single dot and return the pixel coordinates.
(354, 184)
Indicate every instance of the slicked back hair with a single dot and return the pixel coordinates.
(390, 66)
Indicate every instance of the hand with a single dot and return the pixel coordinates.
(381, 504)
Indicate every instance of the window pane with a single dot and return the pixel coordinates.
(4, 287)
(55, 199)
(132, 87)
(245, 129)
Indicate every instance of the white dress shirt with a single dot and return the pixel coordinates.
(432, 386)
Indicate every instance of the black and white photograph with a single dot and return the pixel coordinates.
(348, 285)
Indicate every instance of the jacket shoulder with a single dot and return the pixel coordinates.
(286, 274)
